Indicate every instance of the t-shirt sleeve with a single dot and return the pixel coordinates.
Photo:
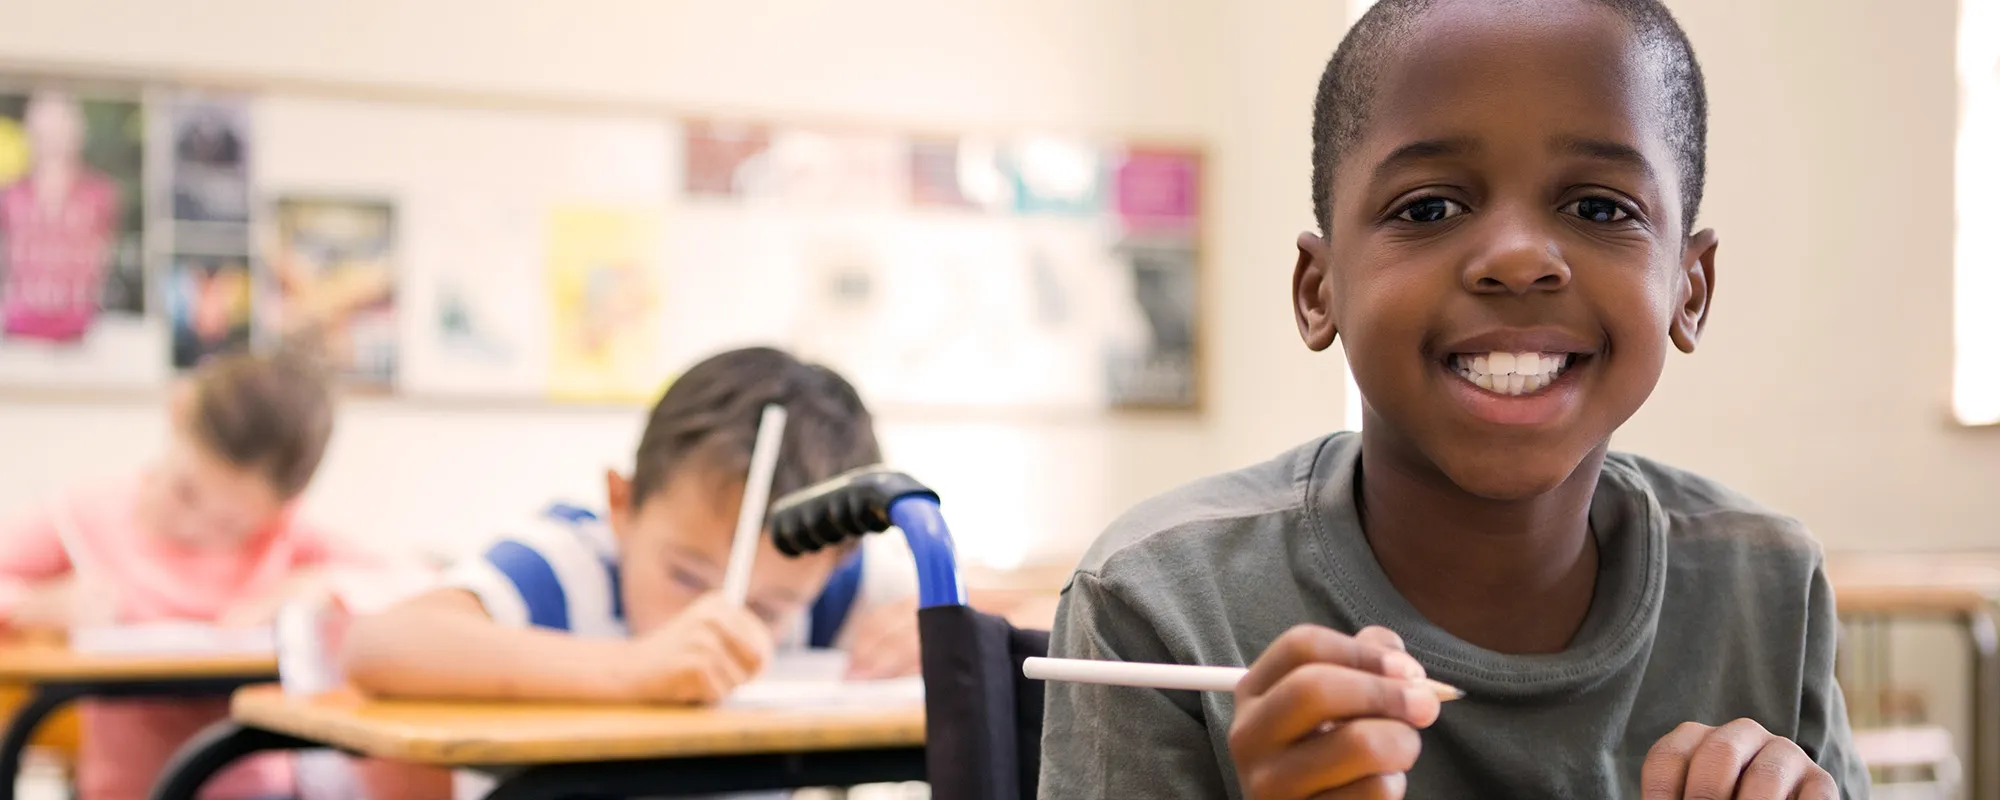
(30, 552)
(1823, 729)
(1114, 742)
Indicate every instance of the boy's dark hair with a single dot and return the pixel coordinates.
(1348, 85)
(707, 420)
(272, 414)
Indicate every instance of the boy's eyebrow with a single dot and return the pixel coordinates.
(1602, 150)
(1424, 150)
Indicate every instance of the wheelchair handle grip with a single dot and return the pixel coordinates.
(845, 507)
(871, 500)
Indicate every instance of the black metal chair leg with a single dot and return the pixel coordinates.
(216, 747)
(42, 701)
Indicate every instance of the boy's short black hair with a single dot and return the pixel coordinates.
(1347, 87)
(707, 422)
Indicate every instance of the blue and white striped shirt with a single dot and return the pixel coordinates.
(559, 570)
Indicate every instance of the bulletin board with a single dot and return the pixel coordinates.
(431, 249)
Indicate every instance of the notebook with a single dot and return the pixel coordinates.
(816, 679)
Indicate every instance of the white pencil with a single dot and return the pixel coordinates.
(756, 501)
(1162, 676)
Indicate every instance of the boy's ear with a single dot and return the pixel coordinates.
(618, 501)
(1697, 290)
(1312, 295)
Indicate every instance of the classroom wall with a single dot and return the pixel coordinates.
(1821, 387)
(1020, 485)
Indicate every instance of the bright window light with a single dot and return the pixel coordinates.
(1353, 408)
(1975, 393)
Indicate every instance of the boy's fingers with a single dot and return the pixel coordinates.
(1316, 694)
(1380, 637)
(1775, 772)
(1717, 762)
(1339, 759)
(1817, 785)
(745, 642)
(1664, 773)
(1308, 644)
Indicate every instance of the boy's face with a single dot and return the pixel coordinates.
(675, 547)
(196, 499)
(1513, 192)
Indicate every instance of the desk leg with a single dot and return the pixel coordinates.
(1984, 636)
(216, 747)
(42, 701)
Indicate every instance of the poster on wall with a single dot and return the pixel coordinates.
(958, 174)
(478, 325)
(603, 281)
(817, 170)
(72, 240)
(333, 284)
(209, 307)
(723, 160)
(209, 143)
(1160, 372)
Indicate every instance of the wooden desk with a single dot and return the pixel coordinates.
(56, 676)
(1961, 587)
(548, 750)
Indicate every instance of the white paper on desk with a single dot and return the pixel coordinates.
(172, 639)
(814, 679)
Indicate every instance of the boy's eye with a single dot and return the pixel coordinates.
(1598, 209)
(1431, 209)
(689, 579)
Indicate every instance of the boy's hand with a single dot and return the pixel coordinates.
(1325, 715)
(698, 658)
(50, 606)
(883, 643)
(1739, 760)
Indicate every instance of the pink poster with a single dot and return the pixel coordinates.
(1159, 190)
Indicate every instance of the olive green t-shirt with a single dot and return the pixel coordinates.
(1707, 608)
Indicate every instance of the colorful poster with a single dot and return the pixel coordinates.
(820, 170)
(71, 214)
(957, 173)
(1159, 190)
(603, 283)
(480, 306)
(1162, 372)
(334, 278)
(724, 160)
(210, 175)
(209, 301)
(1056, 176)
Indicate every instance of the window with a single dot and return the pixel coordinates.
(1976, 288)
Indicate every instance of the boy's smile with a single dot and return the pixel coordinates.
(1506, 259)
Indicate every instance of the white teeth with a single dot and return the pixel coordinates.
(1511, 373)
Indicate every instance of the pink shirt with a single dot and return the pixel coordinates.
(56, 257)
(126, 743)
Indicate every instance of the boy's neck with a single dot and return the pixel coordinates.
(1508, 576)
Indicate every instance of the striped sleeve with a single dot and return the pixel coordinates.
(547, 574)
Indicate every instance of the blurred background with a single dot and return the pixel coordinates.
(1051, 241)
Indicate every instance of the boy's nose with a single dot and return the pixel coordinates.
(1517, 261)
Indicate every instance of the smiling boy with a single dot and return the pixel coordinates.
(1506, 192)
